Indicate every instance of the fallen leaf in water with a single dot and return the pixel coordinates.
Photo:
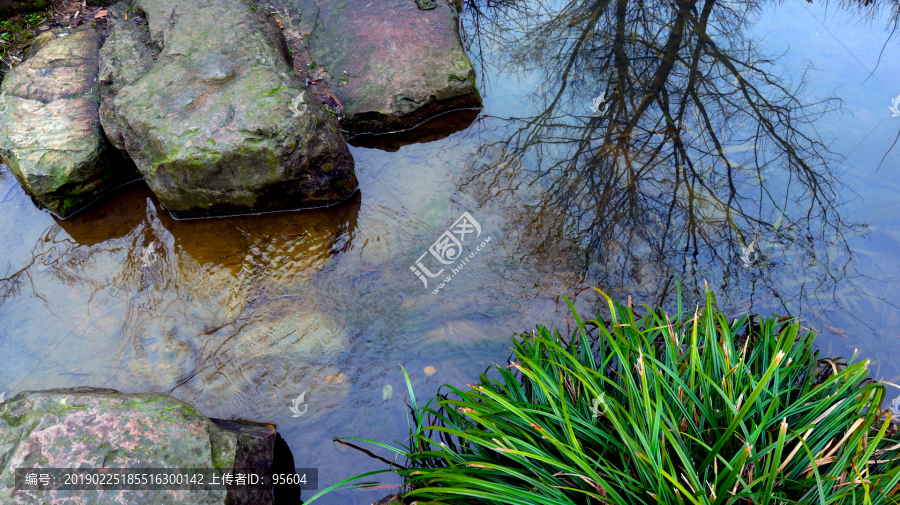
(338, 102)
(336, 378)
(430, 370)
(387, 392)
(101, 14)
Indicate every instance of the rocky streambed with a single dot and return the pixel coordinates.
(222, 107)
(225, 106)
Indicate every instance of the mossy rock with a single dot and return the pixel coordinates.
(217, 122)
(103, 428)
(50, 133)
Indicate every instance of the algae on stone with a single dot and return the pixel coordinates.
(50, 133)
(103, 428)
(210, 123)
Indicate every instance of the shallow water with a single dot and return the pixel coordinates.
(240, 315)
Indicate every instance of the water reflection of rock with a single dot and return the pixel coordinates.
(434, 129)
(114, 216)
(197, 321)
(263, 238)
(226, 310)
(272, 242)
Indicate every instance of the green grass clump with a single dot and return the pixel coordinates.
(657, 408)
(17, 32)
(34, 19)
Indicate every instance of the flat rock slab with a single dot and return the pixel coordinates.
(393, 65)
(103, 428)
(50, 133)
(219, 123)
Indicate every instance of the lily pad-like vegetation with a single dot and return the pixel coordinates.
(650, 407)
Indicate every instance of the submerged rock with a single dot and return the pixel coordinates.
(50, 133)
(219, 123)
(393, 63)
(103, 428)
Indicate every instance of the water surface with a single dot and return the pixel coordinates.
(719, 125)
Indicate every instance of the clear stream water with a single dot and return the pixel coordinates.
(773, 127)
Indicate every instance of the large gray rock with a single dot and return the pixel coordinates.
(50, 133)
(125, 57)
(393, 63)
(210, 123)
(103, 428)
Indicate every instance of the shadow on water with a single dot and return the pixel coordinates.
(434, 129)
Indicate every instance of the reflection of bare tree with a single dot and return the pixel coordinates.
(663, 144)
(876, 9)
(15, 279)
(61, 257)
(870, 10)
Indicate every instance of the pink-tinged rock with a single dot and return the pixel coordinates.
(50, 134)
(392, 64)
(103, 428)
